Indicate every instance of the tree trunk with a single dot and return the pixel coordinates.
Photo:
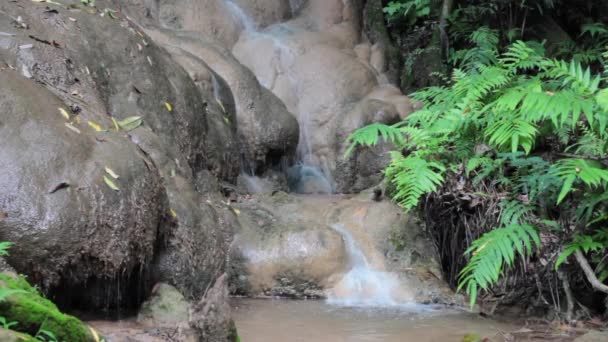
(446, 10)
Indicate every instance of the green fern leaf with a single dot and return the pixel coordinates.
(413, 177)
(370, 135)
(491, 252)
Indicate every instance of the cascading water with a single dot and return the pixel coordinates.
(362, 285)
(305, 176)
(248, 24)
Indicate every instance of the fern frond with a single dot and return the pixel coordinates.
(491, 252)
(512, 131)
(514, 212)
(573, 74)
(591, 173)
(413, 177)
(370, 135)
(520, 56)
(583, 243)
(4, 247)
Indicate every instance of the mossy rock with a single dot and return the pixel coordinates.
(471, 337)
(34, 313)
(13, 336)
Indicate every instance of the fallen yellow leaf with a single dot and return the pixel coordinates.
(130, 123)
(97, 127)
(115, 124)
(64, 113)
(221, 105)
(173, 213)
(169, 107)
(111, 173)
(69, 125)
(110, 183)
(95, 334)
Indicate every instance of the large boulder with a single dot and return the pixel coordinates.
(212, 18)
(67, 223)
(210, 317)
(268, 132)
(277, 252)
(76, 223)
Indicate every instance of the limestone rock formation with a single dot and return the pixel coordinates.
(106, 144)
(286, 247)
(268, 132)
(322, 68)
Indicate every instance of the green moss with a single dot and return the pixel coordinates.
(13, 336)
(33, 312)
(471, 337)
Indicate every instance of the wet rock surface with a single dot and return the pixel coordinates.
(283, 254)
(98, 213)
(321, 67)
(287, 248)
(267, 131)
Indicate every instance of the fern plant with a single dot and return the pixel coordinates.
(410, 10)
(542, 124)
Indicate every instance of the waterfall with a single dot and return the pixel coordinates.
(362, 285)
(248, 24)
(307, 176)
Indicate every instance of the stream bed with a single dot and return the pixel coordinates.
(290, 320)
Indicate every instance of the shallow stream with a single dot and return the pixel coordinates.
(286, 320)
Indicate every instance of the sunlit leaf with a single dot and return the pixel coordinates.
(111, 173)
(72, 128)
(95, 334)
(130, 123)
(115, 124)
(64, 113)
(110, 183)
(97, 127)
(219, 102)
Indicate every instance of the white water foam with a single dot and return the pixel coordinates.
(248, 24)
(287, 57)
(363, 286)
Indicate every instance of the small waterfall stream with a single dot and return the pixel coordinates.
(248, 24)
(306, 176)
(363, 285)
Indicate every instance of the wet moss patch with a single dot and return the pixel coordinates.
(34, 313)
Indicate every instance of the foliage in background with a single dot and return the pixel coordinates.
(409, 11)
(535, 127)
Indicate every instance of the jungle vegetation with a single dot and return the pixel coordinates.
(508, 158)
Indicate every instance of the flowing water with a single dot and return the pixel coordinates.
(237, 11)
(284, 320)
(322, 179)
(363, 285)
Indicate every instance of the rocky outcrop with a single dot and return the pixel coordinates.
(100, 208)
(319, 65)
(33, 315)
(210, 317)
(267, 130)
(66, 223)
(286, 247)
(278, 252)
(266, 12)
